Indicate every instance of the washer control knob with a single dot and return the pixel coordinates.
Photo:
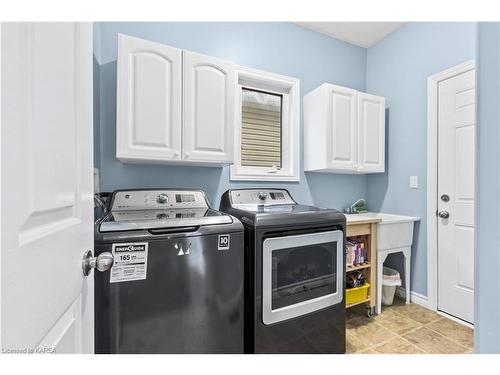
(162, 198)
(262, 196)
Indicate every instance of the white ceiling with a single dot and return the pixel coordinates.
(363, 34)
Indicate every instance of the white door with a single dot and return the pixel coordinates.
(371, 133)
(149, 94)
(342, 143)
(46, 190)
(209, 109)
(456, 196)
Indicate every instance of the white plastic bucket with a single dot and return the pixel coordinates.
(390, 280)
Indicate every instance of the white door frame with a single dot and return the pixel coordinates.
(432, 175)
(1, 226)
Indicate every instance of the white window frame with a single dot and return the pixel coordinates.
(289, 89)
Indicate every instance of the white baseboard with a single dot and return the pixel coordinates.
(415, 297)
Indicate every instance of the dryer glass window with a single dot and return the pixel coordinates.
(303, 273)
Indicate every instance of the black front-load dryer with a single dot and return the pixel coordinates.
(176, 285)
(294, 272)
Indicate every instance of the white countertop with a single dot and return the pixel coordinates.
(383, 217)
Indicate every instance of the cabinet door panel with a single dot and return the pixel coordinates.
(209, 99)
(148, 100)
(343, 148)
(371, 129)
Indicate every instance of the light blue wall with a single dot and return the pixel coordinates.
(487, 261)
(397, 68)
(282, 48)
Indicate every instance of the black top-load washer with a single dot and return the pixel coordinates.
(176, 285)
(294, 272)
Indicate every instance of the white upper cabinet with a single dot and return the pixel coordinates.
(209, 94)
(149, 89)
(344, 131)
(342, 112)
(371, 133)
(173, 106)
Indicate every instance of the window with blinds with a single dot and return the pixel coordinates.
(261, 117)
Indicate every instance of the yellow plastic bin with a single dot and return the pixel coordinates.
(356, 295)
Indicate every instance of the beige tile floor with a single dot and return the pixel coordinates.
(405, 329)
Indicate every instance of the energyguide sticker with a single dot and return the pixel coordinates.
(130, 262)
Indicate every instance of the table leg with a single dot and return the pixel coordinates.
(407, 274)
(381, 256)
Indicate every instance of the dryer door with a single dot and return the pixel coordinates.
(301, 274)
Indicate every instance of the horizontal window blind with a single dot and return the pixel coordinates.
(261, 129)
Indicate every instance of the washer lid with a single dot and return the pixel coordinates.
(154, 219)
(260, 207)
(288, 216)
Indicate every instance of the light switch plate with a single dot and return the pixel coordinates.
(413, 182)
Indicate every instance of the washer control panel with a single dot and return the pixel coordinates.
(266, 197)
(158, 199)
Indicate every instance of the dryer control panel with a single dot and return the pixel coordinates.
(261, 197)
(128, 200)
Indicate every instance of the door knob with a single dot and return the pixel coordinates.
(444, 214)
(102, 263)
